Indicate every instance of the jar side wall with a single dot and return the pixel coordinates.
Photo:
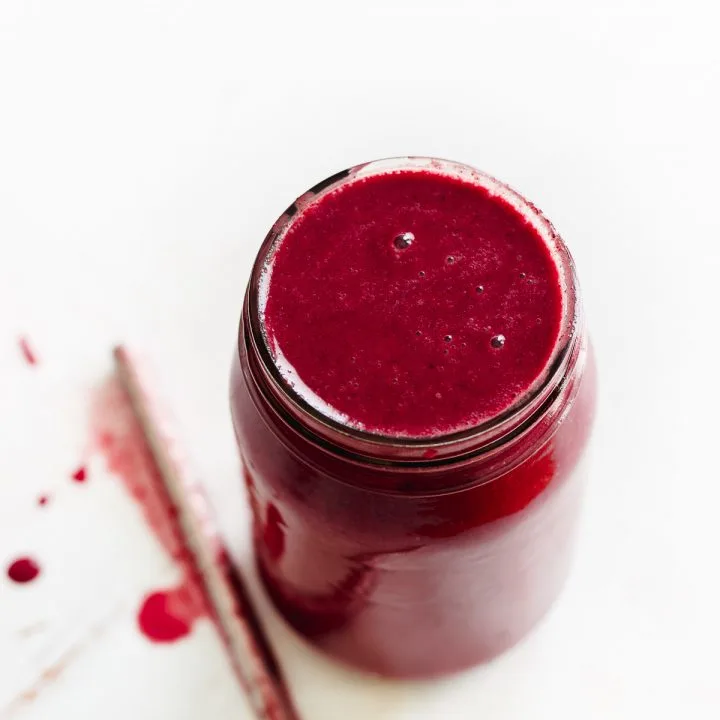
(461, 575)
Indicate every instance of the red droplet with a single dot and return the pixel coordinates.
(27, 352)
(80, 475)
(157, 619)
(23, 570)
(43, 500)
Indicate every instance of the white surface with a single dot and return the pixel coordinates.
(146, 148)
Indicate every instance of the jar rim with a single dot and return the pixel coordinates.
(430, 448)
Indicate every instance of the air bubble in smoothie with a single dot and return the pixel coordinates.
(404, 240)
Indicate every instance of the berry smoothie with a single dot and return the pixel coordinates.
(411, 396)
(413, 304)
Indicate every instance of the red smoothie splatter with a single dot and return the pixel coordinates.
(413, 303)
(80, 475)
(23, 570)
(166, 614)
(43, 500)
(27, 352)
(162, 617)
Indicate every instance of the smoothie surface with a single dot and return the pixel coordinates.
(411, 303)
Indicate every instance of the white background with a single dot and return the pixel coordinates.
(145, 149)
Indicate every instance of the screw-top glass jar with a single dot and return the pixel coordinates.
(403, 552)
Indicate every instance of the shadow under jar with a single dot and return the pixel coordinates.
(412, 394)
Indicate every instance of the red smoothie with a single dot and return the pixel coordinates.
(413, 304)
(412, 394)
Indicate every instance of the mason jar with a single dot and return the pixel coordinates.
(413, 557)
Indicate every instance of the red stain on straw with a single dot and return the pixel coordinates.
(136, 448)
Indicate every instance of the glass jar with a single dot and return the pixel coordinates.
(413, 557)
